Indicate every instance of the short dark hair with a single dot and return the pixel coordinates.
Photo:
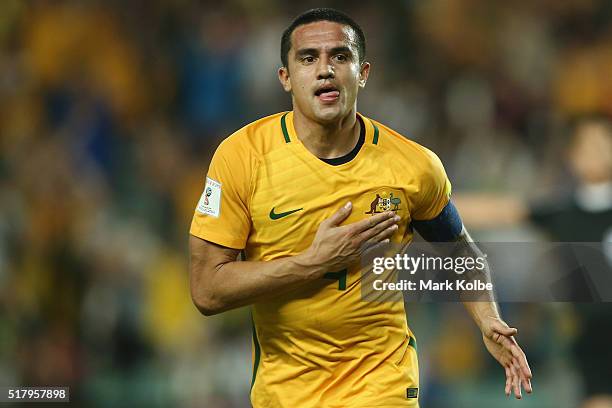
(590, 117)
(572, 123)
(322, 14)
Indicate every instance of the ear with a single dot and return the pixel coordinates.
(285, 80)
(363, 74)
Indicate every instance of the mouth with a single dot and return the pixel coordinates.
(327, 93)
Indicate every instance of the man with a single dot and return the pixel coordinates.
(296, 192)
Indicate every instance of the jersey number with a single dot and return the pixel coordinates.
(339, 276)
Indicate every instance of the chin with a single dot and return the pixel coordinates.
(329, 114)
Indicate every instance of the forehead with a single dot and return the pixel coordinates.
(323, 34)
(592, 140)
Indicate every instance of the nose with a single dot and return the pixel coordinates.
(325, 69)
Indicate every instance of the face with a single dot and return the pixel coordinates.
(590, 153)
(323, 72)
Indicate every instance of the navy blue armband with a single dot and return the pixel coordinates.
(446, 227)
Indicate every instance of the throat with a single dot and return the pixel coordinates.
(336, 161)
(329, 143)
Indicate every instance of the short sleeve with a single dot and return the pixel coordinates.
(434, 191)
(222, 214)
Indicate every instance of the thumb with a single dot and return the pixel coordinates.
(503, 329)
(340, 215)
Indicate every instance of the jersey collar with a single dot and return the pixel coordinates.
(289, 134)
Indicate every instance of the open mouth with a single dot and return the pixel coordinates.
(327, 93)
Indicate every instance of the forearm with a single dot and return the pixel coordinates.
(234, 284)
(219, 283)
(483, 305)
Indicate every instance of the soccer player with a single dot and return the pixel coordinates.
(302, 193)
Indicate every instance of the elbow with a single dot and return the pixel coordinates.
(206, 304)
(201, 289)
(208, 291)
(204, 297)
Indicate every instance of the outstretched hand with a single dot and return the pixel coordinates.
(499, 340)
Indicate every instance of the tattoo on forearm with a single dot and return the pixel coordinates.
(467, 248)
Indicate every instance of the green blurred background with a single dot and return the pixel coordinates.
(111, 110)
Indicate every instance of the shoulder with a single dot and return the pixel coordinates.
(255, 139)
(392, 143)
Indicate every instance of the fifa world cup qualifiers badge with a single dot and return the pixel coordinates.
(210, 201)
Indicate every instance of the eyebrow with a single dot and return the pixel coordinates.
(314, 51)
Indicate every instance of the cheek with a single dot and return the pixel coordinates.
(299, 86)
(352, 80)
(352, 85)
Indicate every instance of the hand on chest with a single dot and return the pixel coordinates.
(291, 215)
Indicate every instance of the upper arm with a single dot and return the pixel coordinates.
(434, 216)
(206, 258)
(222, 215)
(434, 188)
(205, 254)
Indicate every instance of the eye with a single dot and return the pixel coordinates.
(308, 59)
(341, 58)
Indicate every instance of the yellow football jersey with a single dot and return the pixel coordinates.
(320, 345)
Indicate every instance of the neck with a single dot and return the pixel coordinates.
(327, 140)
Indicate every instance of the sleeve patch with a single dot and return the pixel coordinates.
(210, 201)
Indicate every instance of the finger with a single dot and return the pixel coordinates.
(371, 245)
(524, 380)
(380, 239)
(340, 215)
(522, 367)
(516, 383)
(519, 354)
(511, 345)
(508, 388)
(367, 223)
(529, 387)
(380, 231)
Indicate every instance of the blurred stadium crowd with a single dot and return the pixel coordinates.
(110, 112)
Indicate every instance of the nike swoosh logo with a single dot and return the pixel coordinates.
(275, 216)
